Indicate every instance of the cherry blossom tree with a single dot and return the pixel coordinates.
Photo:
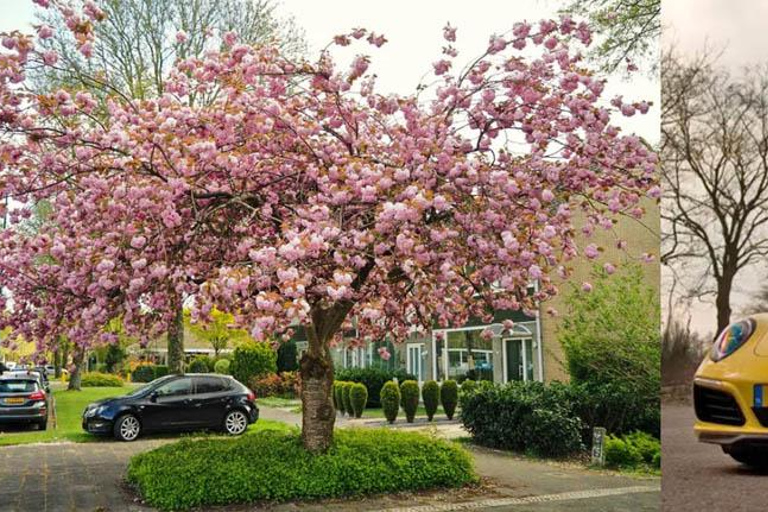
(302, 196)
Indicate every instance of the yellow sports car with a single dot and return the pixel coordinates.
(730, 392)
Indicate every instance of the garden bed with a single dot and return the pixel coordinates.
(273, 466)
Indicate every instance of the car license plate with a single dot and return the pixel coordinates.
(761, 395)
(14, 401)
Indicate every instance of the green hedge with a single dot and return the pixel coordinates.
(252, 359)
(143, 373)
(98, 379)
(198, 365)
(338, 399)
(524, 417)
(346, 387)
(633, 451)
(222, 366)
(374, 379)
(272, 466)
(390, 400)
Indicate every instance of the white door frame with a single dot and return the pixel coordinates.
(408, 359)
(524, 355)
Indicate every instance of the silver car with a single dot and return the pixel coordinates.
(23, 400)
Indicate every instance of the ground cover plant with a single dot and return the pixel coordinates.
(273, 466)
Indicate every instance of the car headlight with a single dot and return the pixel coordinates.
(733, 337)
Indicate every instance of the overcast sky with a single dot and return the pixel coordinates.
(738, 31)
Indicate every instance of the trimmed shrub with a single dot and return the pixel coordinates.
(390, 400)
(409, 399)
(449, 397)
(221, 366)
(430, 395)
(198, 365)
(99, 379)
(283, 385)
(346, 387)
(161, 370)
(527, 417)
(252, 359)
(468, 386)
(358, 396)
(143, 373)
(374, 379)
(656, 462)
(210, 472)
(338, 398)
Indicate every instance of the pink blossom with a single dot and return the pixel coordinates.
(587, 287)
(441, 66)
(384, 353)
(181, 36)
(449, 33)
(609, 268)
(44, 32)
(591, 251)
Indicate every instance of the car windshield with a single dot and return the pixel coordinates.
(17, 386)
(147, 387)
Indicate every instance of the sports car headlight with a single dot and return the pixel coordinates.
(734, 336)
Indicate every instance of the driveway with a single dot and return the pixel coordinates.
(89, 477)
(700, 476)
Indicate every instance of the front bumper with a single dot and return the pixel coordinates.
(750, 432)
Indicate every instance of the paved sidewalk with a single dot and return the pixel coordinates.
(88, 477)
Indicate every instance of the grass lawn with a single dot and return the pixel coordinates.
(69, 410)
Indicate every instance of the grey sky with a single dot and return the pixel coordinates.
(738, 31)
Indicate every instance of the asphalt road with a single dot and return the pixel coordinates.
(700, 477)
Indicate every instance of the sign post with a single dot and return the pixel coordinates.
(598, 441)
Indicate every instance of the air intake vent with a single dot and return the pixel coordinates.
(714, 406)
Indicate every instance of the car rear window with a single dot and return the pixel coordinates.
(209, 385)
(17, 386)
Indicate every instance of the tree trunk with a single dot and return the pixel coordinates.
(57, 363)
(176, 341)
(723, 302)
(76, 376)
(318, 415)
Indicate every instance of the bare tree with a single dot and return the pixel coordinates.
(137, 44)
(714, 157)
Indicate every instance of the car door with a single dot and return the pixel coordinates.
(211, 396)
(170, 406)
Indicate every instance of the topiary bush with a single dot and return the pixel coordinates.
(528, 417)
(449, 397)
(161, 370)
(206, 473)
(253, 359)
(409, 399)
(358, 396)
(143, 373)
(338, 400)
(198, 365)
(374, 379)
(390, 400)
(345, 390)
(468, 386)
(222, 366)
(99, 379)
(430, 395)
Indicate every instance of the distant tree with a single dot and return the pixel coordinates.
(219, 331)
(714, 172)
(630, 29)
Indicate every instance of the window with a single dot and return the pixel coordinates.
(468, 356)
(17, 386)
(209, 385)
(177, 387)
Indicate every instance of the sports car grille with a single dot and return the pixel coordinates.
(714, 406)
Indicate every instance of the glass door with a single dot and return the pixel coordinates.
(518, 359)
(415, 360)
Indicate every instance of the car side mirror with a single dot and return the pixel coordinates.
(153, 396)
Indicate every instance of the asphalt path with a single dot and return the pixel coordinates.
(700, 477)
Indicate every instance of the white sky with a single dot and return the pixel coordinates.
(737, 30)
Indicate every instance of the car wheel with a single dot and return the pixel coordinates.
(127, 428)
(235, 422)
(751, 457)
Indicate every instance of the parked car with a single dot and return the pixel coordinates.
(23, 400)
(38, 376)
(51, 370)
(175, 403)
